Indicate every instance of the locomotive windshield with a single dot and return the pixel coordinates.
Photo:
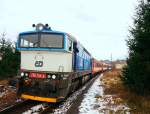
(41, 40)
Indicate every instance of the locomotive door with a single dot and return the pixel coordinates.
(75, 51)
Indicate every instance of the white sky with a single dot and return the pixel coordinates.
(100, 25)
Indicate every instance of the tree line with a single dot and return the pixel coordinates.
(9, 58)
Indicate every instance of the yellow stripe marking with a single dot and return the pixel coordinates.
(24, 96)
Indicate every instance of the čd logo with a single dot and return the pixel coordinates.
(38, 63)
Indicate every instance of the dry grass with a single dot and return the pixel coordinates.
(112, 82)
(8, 96)
(8, 99)
(114, 86)
(3, 82)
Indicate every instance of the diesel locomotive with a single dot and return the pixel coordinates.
(53, 64)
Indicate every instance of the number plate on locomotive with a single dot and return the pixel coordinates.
(37, 75)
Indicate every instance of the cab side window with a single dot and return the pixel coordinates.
(69, 45)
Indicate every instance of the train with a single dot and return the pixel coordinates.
(99, 66)
(53, 64)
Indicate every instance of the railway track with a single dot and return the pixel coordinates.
(12, 107)
(19, 108)
(33, 107)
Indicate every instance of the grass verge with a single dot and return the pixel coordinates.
(114, 86)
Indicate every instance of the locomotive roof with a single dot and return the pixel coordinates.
(44, 31)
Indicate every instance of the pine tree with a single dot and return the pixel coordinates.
(136, 75)
(10, 58)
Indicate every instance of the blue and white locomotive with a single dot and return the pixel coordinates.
(53, 64)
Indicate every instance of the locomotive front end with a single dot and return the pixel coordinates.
(46, 64)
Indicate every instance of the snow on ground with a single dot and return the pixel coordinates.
(96, 102)
(89, 103)
(34, 110)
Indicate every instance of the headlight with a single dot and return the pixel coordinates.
(26, 74)
(48, 76)
(22, 73)
(40, 28)
(53, 76)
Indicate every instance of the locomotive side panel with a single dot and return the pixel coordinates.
(83, 60)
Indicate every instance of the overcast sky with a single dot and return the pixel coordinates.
(100, 25)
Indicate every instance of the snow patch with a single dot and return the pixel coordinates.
(34, 110)
(89, 103)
